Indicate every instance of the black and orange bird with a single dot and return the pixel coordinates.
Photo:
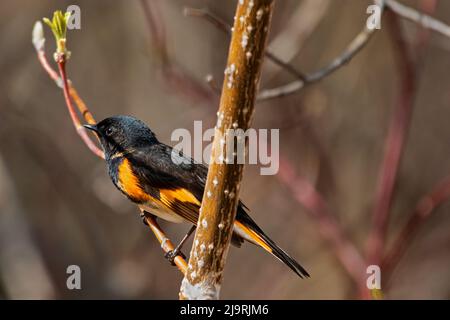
(142, 168)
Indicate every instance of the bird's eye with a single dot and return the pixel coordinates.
(109, 131)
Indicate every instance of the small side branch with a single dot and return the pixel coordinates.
(356, 45)
(226, 28)
(352, 49)
(302, 79)
(418, 17)
(73, 114)
(69, 90)
(70, 93)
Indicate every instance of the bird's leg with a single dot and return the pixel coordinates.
(172, 254)
(143, 216)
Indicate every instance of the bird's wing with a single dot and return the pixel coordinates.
(178, 182)
(172, 178)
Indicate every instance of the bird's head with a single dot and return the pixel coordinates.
(121, 134)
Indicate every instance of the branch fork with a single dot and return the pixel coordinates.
(61, 56)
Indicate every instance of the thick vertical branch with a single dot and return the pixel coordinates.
(217, 214)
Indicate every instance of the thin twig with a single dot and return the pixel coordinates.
(352, 49)
(208, 16)
(302, 80)
(355, 46)
(73, 114)
(418, 17)
(72, 91)
(39, 43)
(225, 27)
(303, 19)
(423, 35)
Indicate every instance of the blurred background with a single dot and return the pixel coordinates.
(58, 206)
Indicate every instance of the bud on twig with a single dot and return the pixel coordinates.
(58, 25)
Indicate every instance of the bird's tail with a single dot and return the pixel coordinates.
(245, 227)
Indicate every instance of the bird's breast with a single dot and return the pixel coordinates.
(127, 181)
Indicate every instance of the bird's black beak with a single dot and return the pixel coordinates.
(91, 127)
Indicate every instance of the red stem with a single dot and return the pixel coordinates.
(424, 208)
(394, 145)
(73, 114)
(439, 193)
(44, 62)
(330, 230)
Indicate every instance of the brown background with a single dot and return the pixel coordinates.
(58, 206)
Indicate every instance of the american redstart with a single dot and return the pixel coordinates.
(142, 168)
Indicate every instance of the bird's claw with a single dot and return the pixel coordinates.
(144, 220)
(172, 254)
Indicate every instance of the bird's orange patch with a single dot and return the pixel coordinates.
(255, 238)
(129, 183)
(168, 196)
